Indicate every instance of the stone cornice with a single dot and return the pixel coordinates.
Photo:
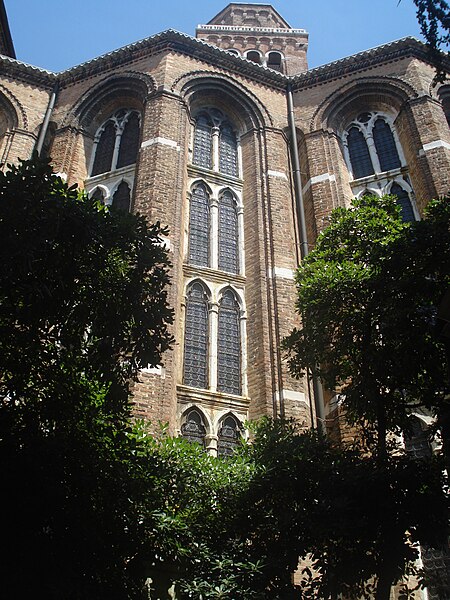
(174, 41)
(28, 73)
(404, 48)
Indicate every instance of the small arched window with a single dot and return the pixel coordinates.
(121, 197)
(193, 429)
(117, 142)
(228, 233)
(228, 437)
(199, 227)
(254, 56)
(404, 201)
(98, 195)
(196, 337)
(274, 61)
(229, 345)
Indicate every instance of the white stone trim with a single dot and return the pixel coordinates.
(433, 145)
(278, 174)
(161, 140)
(290, 395)
(318, 179)
(283, 273)
(159, 370)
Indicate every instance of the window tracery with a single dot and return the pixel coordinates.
(117, 142)
(228, 436)
(374, 154)
(193, 429)
(215, 143)
(199, 227)
(229, 345)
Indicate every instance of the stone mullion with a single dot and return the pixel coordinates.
(213, 344)
(214, 233)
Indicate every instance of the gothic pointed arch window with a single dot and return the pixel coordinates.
(117, 142)
(215, 143)
(229, 345)
(404, 201)
(129, 141)
(193, 429)
(372, 147)
(228, 155)
(228, 436)
(385, 145)
(203, 147)
(105, 149)
(98, 194)
(359, 153)
(228, 233)
(121, 197)
(199, 226)
(196, 337)
(373, 152)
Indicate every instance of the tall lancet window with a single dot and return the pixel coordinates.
(385, 146)
(229, 345)
(199, 227)
(228, 233)
(228, 155)
(203, 150)
(196, 337)
(359, 154)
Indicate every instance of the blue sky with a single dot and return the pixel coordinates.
(55, 34)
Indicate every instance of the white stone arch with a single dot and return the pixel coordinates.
(104, 189)
(254, 51)
(187, 408)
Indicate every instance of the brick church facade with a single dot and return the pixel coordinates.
(195, 133)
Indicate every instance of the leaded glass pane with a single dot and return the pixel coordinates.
(228, 234)
(121, 198)
(228, 155)
(359, 154)
(196, 339)
(203, 143)
(385, 146)
(229, 346)
(228, 437)
(105, 149)
(199, 227)
(193, 429)
(129, 142)
(404, 201)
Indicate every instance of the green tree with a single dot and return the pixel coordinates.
(369, 295)
(434, 20)
(83, 305)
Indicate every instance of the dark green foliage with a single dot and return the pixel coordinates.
(369, 294)
(434, 20)
(83, 305)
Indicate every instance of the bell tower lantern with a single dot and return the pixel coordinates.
(260, 34)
